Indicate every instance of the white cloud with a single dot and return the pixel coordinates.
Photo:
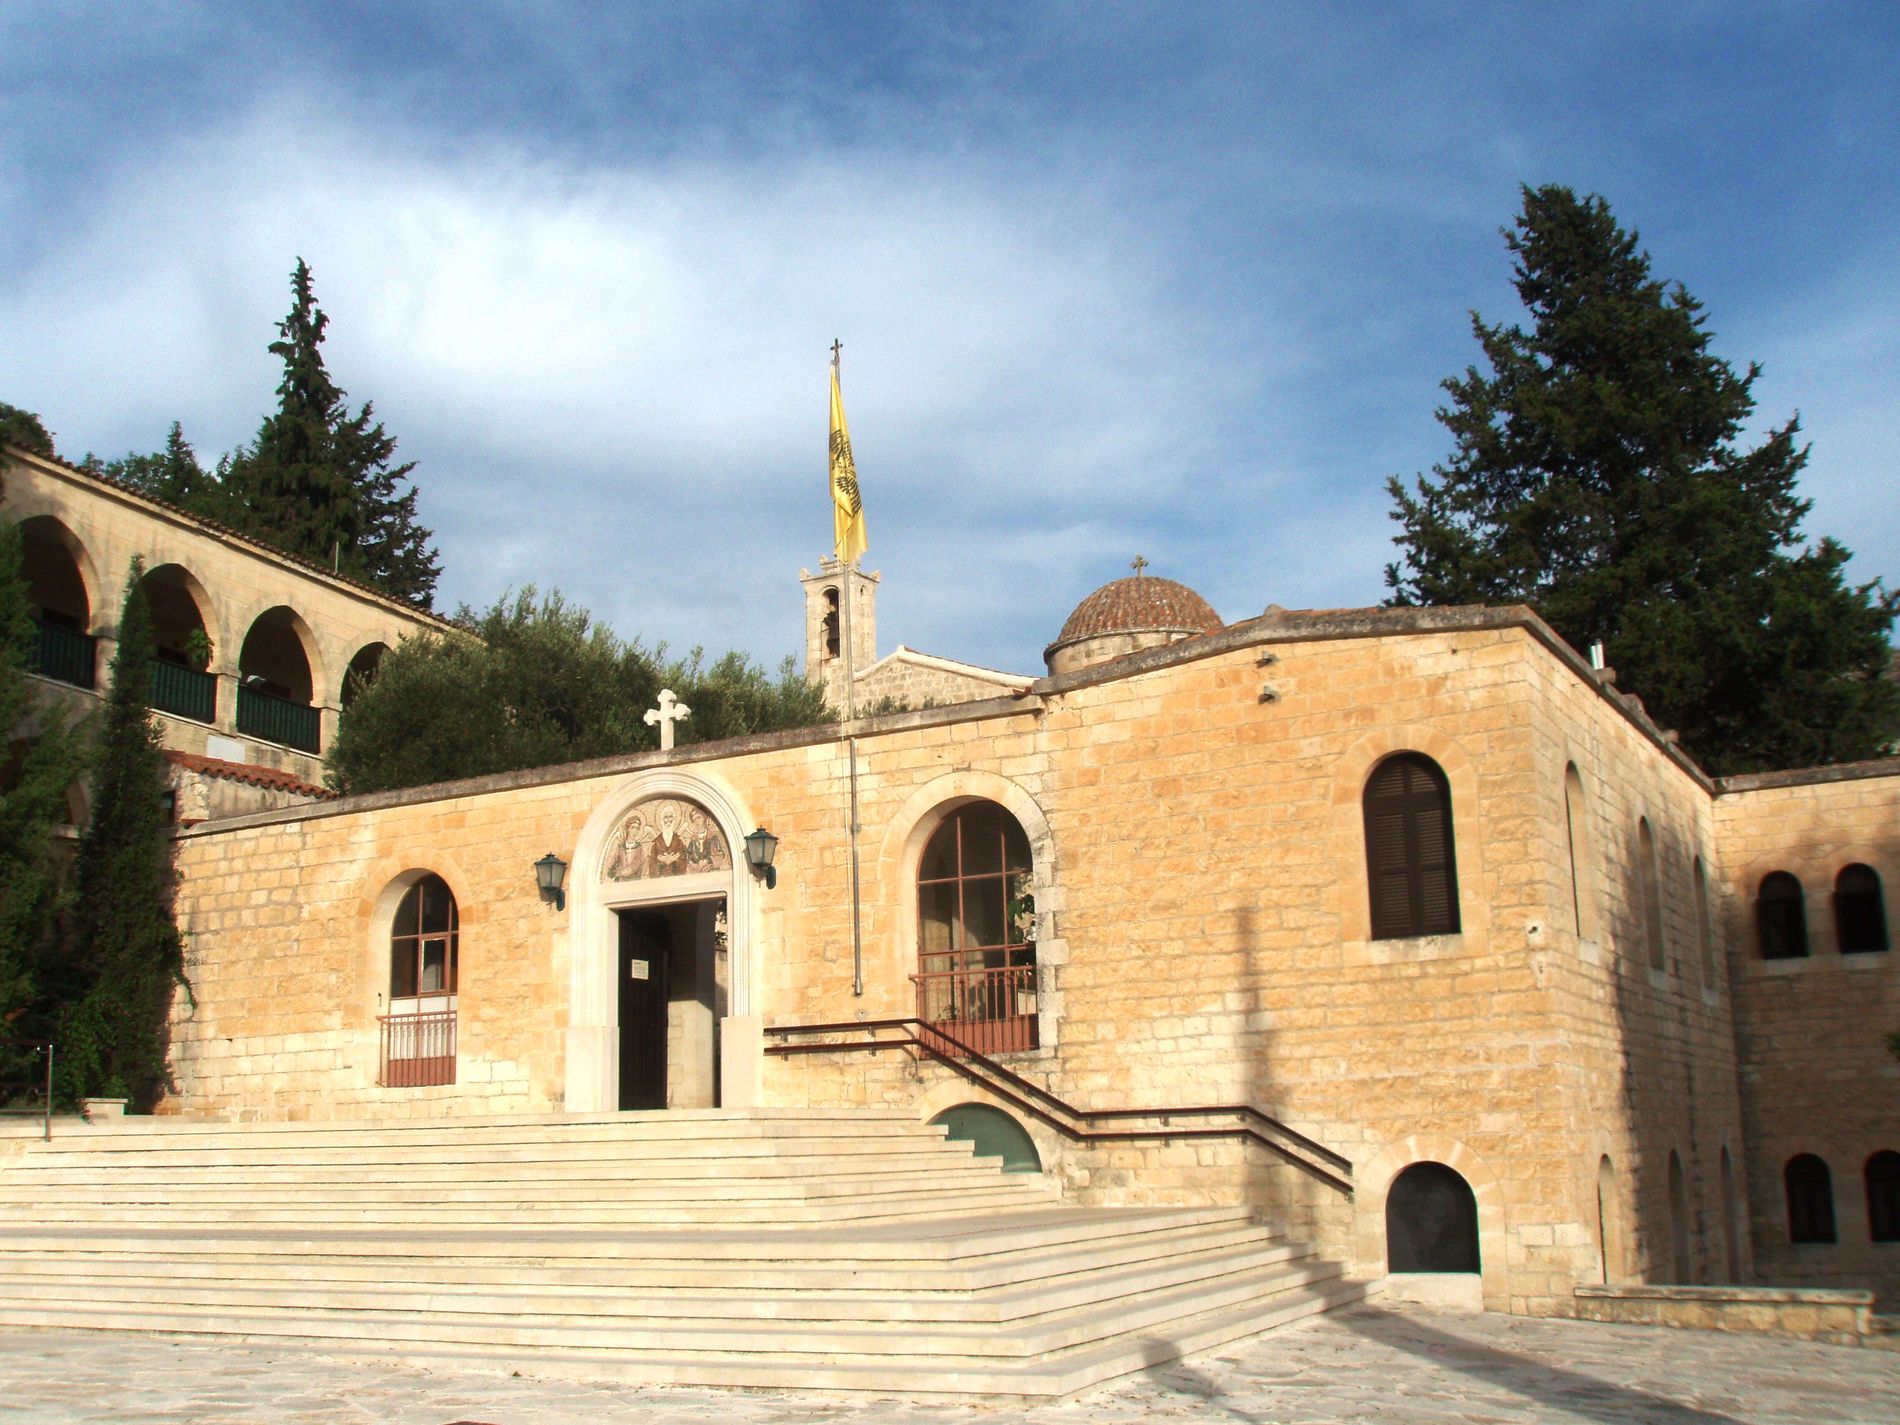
(613, 380)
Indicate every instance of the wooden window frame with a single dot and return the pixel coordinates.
(1414, 808)
(413, 945)
(972, 984)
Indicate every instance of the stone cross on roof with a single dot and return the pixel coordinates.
(1139, 565)
(670, 711)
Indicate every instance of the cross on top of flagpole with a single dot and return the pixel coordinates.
(836, 347)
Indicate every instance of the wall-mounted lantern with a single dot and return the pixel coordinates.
(549, 872)
(761, 847)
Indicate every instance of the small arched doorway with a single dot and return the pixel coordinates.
(1431, 1221)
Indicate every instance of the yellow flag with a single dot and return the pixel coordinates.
(847, 510)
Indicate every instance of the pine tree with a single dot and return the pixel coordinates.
(124, 955)
(1597, 474)
(318, 481)
(48, 757)
(172, 474)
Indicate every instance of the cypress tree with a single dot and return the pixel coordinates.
(318, 481)
(1598, 474)
(36, 772)
(124, 955)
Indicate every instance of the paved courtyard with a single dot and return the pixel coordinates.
(1410, 1367)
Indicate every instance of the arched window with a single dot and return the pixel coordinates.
(976, 949)
(1731, 1253)
(1649, 874)
(419, 1030)
(1609, 1235)
(1781, 917)
(1682, 1258)
(1860, 914)
(991, 1133)
(1431, 1221)
(422, 941)
(1810, 1199)
(1411, 868)
(1883, 1196)
(1582, 862)
(1704, 926)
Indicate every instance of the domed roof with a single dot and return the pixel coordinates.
(1140, 604)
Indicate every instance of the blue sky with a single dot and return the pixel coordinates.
(1177, 280)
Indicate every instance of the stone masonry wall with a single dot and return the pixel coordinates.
(1816, 1074)
(1202, 936)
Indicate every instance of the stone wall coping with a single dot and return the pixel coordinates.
(599, 767)
(1275, 626)
(1809, 776)
(1740, 1295)
(165, 512)
(1278, 625)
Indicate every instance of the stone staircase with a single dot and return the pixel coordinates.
(830, 1250)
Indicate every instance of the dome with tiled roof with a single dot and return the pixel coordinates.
(1126, 615)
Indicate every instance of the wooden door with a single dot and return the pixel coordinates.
(646, 949)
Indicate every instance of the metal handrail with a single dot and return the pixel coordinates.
(44, 1048)
(1072, 1122)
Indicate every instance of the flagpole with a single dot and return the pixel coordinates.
(851, 742)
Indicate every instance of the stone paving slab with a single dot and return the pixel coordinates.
(1407, 1366)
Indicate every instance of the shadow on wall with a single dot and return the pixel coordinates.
(1299, 1204)
(1534, 1380)
(1677, 1117)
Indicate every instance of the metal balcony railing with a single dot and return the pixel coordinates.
(992, 1011)
(276, 719)
(418, 1050)
(185, 692)
(65, 656)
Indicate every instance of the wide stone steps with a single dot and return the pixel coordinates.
(819, 1250)
(305, 1286)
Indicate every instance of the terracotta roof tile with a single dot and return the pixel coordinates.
(272, 778)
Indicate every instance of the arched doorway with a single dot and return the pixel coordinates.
(1431, 1221)
(666, 873)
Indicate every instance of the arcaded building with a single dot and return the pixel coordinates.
(1404, 927)
(258, 651)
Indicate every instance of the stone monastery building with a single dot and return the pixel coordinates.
(1406, 927)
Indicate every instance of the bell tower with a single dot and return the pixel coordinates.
(825, 621)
